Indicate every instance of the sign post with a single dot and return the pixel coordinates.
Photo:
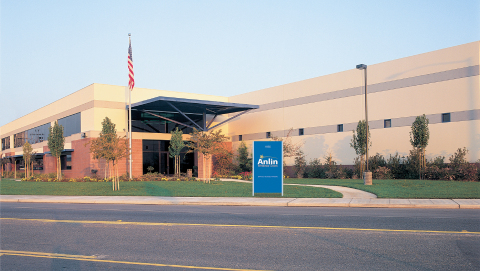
(267, 167)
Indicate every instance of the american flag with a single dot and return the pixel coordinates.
(131, 81)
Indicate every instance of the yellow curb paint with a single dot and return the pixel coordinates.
(93, 259)
(225, 225)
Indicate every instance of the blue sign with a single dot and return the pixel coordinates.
(267, 167)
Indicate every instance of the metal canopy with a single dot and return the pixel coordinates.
(187, 112)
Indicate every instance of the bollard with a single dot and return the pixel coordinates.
(367, 178)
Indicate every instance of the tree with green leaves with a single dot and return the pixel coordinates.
(56, 143)
(208, 144)
(244, 161)
(111, 147)
(300, 165)
(176, 146)
(419, 137)
(359, 142)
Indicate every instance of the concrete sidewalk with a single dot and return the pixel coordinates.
(345, 191)
(233, 201)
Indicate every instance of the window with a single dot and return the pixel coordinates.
(71, 124)
(300, 132)
(38, 163)
(5, 143)
(156, 158)
(240, 138)
(446, 117)
(19, 139)
(340, 128)
(387, 123)
(38, 134)
(66, 160)
(268, 134)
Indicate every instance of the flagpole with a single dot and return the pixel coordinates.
(130, 122)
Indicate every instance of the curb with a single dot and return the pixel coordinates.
(237, 201)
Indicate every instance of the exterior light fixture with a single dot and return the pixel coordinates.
(367, 175)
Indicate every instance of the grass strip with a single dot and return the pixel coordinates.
(157, 188)
(405, 189)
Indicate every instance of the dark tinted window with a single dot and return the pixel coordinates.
(71, 124)
(446, 117)
(340, 128)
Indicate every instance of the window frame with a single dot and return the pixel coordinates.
(387, 121)
(445, 116)
(339, 128)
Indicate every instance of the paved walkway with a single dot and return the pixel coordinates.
(347, 192)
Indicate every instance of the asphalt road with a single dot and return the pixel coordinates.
(161, 237)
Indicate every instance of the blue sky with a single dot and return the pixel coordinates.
(50, 49)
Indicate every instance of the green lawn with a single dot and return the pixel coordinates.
(171, 189)
(413, 189)
(408, 189)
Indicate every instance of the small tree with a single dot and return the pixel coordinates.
(419, 139)
(27, 158)
(176, 146)
(300, 165)
(208, 144)
(110, 147)
(3, 161)
(244, 162)
(56, 143)
(290, 149)
(358, 142)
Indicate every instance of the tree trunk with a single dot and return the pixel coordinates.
(110, 176)
(362, 166)
(178, 165)
(59, 169)
(118, 179)
(208, 169)
(420, 163)
(424, 163)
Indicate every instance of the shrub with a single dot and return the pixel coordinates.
(438, 161)
(246, 176)
(300, 165)
(245, 163)
(412, 164)
(382, 173)
(223, 164)
(315, 169)
(349, 173)
(332, 170)
(376, 161)
(396, 166)
(461, 168)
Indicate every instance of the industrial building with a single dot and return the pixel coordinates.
(320, 112)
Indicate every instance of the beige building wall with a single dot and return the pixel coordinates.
(94, 103)
(443, 81)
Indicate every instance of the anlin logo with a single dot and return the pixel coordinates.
(267, 161)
